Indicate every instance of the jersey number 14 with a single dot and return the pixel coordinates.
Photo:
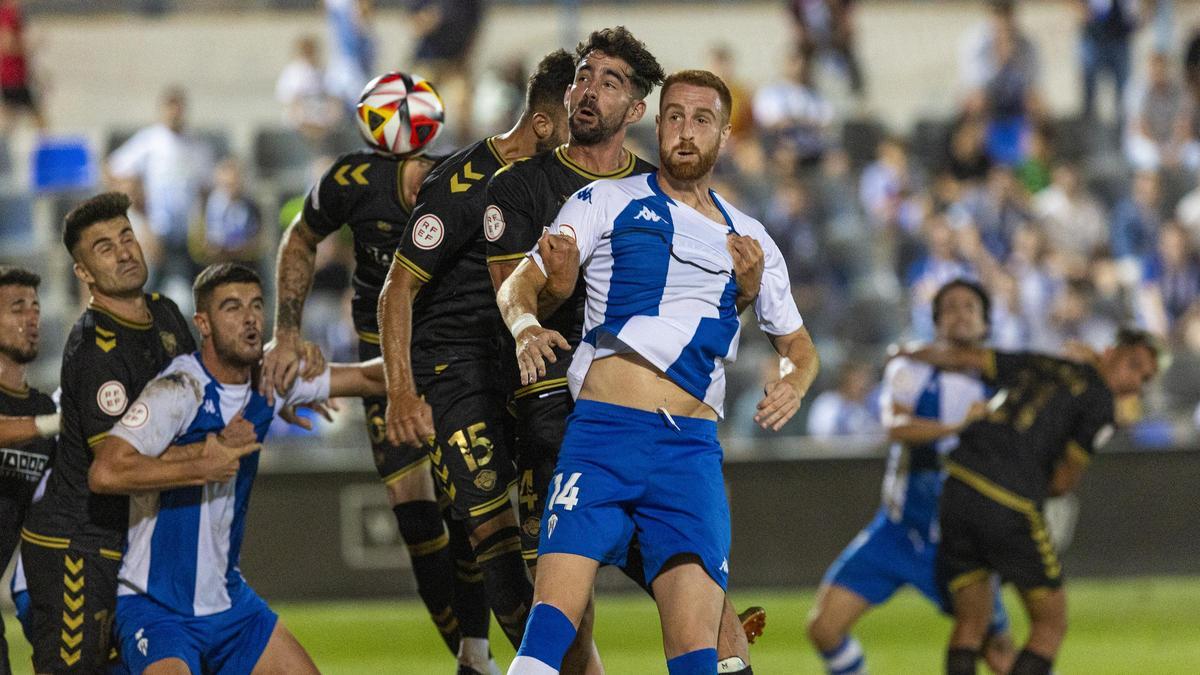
(568, 494)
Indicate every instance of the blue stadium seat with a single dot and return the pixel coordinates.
(63, 164)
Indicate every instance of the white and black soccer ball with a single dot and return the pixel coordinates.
(400, 114)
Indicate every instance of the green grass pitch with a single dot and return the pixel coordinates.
(1126, 626)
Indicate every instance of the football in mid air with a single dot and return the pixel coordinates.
(400, 114)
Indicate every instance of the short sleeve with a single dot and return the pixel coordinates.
(583, 218)
(161, 413)
(439, 226)
(901, 384)
(95, 382)
(309, 391)
(1095, 426)
(511, 225)
(775, 307)
(323, 205)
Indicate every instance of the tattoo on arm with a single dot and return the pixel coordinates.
(297, 259)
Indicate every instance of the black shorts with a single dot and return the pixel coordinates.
(981, 535)
(393, 462)
(471, 455)
(20, 97)
(541, 422)
(72, 599)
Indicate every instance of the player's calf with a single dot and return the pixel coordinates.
(498, 552)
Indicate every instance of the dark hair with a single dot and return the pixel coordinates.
(701, 78)
(216, 275)
(549, 81)
(619, 42)
(102, 207)
(972, 286)
(18, 276)
(1128, 336)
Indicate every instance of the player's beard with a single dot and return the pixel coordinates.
(704, 161)
(18, 355)
(603, 129)
(234, 352)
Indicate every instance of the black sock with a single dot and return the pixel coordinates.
(1028, 663)
(470, 598)
(961, 661)
(509, 591)
(422, 531)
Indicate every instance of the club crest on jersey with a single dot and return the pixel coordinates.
(551, 524)
(111, 398)
(428, 232)
(137, 416)
(493, 223)
(169, 343)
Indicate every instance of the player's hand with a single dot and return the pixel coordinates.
(977, 411)
(238, 432)
(781, 400)
(535, 346)
(409, 419)
(312, 362)
(280, 365)
(219, 462)
(748, 264)
(291, 414)
(561, 257)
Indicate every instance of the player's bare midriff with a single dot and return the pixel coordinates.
(630, 380)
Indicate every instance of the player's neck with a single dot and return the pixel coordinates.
(517, 143)
(131, 308)
(12, 374)
(222, 371)
(694, 193)
(607, 156)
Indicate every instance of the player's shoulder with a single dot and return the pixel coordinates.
(464, 173)
(183, 378)
(360, 168)
(94, 338)
(743, 223)
(902, 370)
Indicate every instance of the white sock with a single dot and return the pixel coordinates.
(527, 665)
(473, 652)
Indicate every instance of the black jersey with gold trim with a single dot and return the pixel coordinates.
(443, 245)
(21, 466)
(1045, 408)
(524, 199)
(106, 362)
(364, 191)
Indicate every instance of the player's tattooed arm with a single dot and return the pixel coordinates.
(294, 271)
(798, 367)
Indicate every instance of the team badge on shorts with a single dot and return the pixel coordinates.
(486, 480)
(532, 526)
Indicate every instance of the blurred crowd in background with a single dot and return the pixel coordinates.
(1075, 224)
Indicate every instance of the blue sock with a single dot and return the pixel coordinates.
(548, 635)
(847, 659)
(699, 662)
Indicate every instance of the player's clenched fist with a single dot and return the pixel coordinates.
(280, 365)
(780, 402)
(409, 419)
(561, 257)
(748, 263)
(535, 346)
(220, 461)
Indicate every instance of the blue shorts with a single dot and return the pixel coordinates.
(225, 643)
(622, 470)
(887, 555)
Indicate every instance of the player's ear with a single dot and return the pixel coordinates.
(725, 135)
(543, 126)
(82, 274)
(636, 111)
(202, 325)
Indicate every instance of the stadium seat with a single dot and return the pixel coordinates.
(282, 156)
(860, 138)
(62, 164)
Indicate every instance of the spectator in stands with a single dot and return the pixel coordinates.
(499, 93)
(352, 47)
(1034, 171)
(1107, 28)
(1072, 218)
(741, 119)
(791, 221)
(174, 169)
(826, 27)
(846, 410)
(940, 264)
(1008, 97)
(791, 113)
(16, 91)
(1074, 318)
(1030, 266)
(309, 105)
(967, 156)
(886, 189)
(1170, 281)
(1158, 129)
(445, 31)
(232, 228)
(998, 209)
(1135, 222)
(1187, 214)
(979, 60)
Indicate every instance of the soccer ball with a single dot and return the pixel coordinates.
(400, 114)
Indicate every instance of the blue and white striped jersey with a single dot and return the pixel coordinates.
(659, 280)
(912, 484)
(183, 544)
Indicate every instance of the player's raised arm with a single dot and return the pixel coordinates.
(955, 357)
(294, 269)
(518, 301)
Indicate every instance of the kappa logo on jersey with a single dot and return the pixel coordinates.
(647, 214)
(585, 195)
(111, 398)
(428, 232)
(725, 565)
(136, 418)
(493, 223)
(210, 407)
(143, 643)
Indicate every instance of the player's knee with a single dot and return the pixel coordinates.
(421, 526)
(483, 528)
(411, 487)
